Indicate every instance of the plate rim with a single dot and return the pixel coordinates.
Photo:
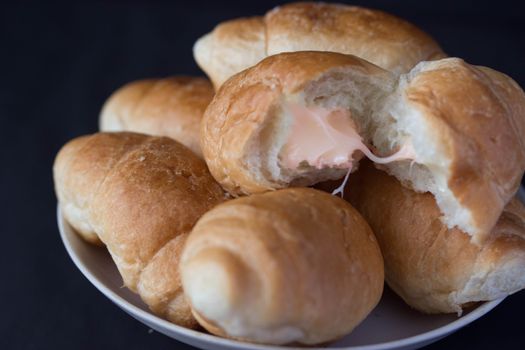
(434, 334)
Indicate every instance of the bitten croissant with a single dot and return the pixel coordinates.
(171, 107)
(446, 127)
(435, 269)
(139, 195)
(294, 265)
(376, 36)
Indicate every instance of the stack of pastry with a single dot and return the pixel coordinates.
(199, 190)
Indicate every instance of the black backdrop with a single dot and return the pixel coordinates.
(59, 63)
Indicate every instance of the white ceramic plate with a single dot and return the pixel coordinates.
(391, 325)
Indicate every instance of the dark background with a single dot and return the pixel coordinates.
(59, 63)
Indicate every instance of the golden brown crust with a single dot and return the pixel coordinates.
(139, 194)
(378, 37)
(232, 46)
(296, 258)
(161, 288)
(480, 117)
(435, 269)
(75, 193)
(170, 107)
(249, 101)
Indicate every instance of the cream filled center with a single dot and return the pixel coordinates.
(328, 138)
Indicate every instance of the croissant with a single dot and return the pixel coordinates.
(140, 196)
(383, 39)
(294, 265)
(170, 107)
(433, 268)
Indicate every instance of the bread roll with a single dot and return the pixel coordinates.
(376, 36)
(170, 107)
(246, 129)
(295, 265)
(140, 195)
(446, 127)
(467, 126)
(433, 268)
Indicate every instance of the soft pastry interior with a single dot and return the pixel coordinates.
(320, 138)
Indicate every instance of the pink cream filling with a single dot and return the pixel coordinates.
(328, 138)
